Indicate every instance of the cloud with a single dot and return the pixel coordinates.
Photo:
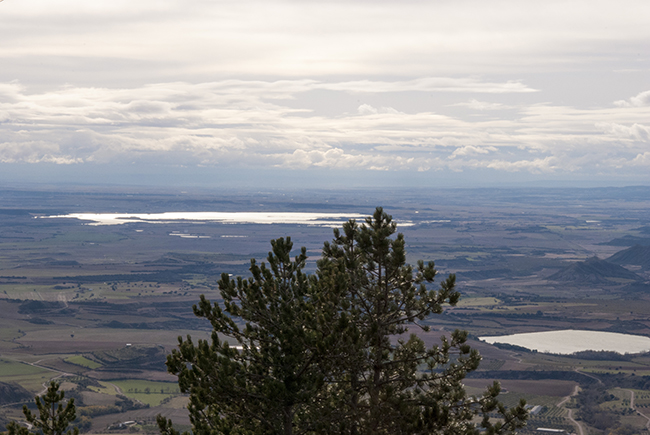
(642, 159)
(430, 84)
(34, 152)
(635, 132)
(535, 166)
(270, 124)
(471, 150)
(117, 42)
(640, 100)
(482, 105)
(367, 109)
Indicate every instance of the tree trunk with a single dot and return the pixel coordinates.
(288, 420)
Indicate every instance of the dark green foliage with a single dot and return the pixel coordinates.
(54, 416)
(389, 382)
(333, 352)
(284, 324)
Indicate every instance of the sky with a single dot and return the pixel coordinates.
(312, 93)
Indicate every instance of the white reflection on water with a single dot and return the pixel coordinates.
(188, 236)
(321, 219)
(569, 341)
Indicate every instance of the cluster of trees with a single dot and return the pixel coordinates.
(54, 415)
(588, 401)
(330, 352)
(602, 355)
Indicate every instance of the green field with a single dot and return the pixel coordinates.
(478, 302)
(7, 334)
(149, 392)
(139, 386)
(83, 362)
(106, 388)
(27, 376)
(14, 368)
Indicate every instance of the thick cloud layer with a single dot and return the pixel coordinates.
(251, 124)
(550, 88)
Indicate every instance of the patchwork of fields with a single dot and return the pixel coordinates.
(100, 307)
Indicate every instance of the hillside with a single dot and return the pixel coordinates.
(13, 393)
(635, 289)
(593, 271)
(628, 241)
(644, 230)
(636, 255)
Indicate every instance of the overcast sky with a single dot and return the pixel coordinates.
(410, 92)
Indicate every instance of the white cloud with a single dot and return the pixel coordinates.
(367, 109)
(239, 123)
(34, 152)
(640, 100)
(430, 84)
(144, 41)
(635, 132)
(547, 164)
(471, 150)
(642, 159)
(482, 105)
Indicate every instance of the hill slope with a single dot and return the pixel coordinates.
(628, 241)
(593, 271)
(12, 393)
(637, 255)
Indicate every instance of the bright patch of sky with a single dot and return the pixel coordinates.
(551, 89)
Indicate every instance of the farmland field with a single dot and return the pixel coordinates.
(101, 306)
(28, 376)
(13, 368)
(148, 392)
(82, 361)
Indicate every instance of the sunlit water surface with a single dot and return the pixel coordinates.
(319, 219)
(569, 341)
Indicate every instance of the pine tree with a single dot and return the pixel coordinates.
(282, 324)
(328, 353)
(54, 416)
(387, 383)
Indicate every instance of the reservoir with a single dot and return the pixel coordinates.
(319, 219)
(569, 341)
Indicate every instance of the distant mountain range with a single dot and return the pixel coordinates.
(636, 255)
(593, 271)
(644, 230)
(628, 241)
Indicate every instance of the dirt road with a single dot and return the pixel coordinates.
(570, 411)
